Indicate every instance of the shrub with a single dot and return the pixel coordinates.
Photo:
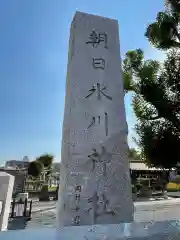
(172, 187)
(172, 190)
(44, 188)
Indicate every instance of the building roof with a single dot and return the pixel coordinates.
(142, 166)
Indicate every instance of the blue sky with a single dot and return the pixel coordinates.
(33, 57)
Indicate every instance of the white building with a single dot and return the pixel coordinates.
(18, 164)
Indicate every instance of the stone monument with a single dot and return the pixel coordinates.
(6, 190)
(95, 185)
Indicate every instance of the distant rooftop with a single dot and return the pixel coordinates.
(142, 166)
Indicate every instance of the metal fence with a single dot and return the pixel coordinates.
(21, 209)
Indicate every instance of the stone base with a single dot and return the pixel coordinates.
(137, 231)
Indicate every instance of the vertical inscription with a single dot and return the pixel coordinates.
(77, 197)
(76, 219)
(99, 203)
(99, 206)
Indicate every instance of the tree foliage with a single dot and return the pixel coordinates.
(164, 32)
(156, 103)
(35, 169)
(46, 160)
(156, 90)
(134, 155)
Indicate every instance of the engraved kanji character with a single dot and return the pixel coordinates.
(98, 120)
(106, 124)
(98, 63)
(76, 209)
(94, 206)
(96, 38)
(94, 120)
(76, 220)
(105, 205)
(92, 123)
(77, 197)
(99, 206)
(104, 157)
(78, 188)
(100, 91)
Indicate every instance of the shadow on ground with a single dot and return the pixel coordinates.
(17, 224)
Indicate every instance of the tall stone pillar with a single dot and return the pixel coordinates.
(6, 190)
(95, 185)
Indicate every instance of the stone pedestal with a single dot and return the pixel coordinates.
(95, 181)
(141, 231)
(6, 189)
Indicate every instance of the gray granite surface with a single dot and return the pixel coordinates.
(95, 183)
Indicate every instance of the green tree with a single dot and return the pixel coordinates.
(46, 160)
(134, 155)
(156, 90)
(35, 169)
(156, 103)
(164, 32)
